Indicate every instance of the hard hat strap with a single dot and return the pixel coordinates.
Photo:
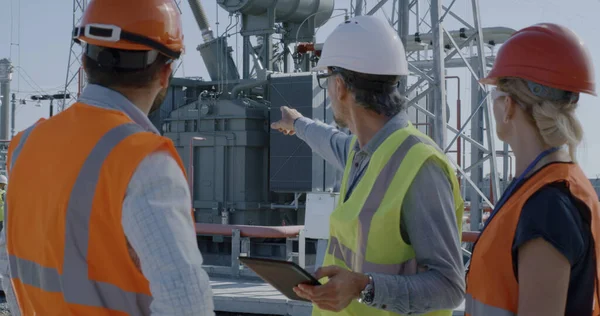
(123, 59)
(112, 33)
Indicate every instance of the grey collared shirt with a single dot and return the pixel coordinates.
(110, 99)
(428, 222)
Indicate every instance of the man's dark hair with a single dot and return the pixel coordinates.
(377, 93)
(119, 77)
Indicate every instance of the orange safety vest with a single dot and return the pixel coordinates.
(68, 254)
(492, 289)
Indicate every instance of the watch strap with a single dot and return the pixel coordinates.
(367, 295)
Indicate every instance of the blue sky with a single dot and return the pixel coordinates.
(43, 35)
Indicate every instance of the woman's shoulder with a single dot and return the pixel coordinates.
(554, 214)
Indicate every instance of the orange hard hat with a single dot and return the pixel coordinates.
(548, 54)
(133, 25)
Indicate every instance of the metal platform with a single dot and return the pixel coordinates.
(255, 297)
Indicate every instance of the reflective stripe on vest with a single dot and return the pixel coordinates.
(74, 283)
(373, 201)
(475, 307)
(366, 214)
(17, 151)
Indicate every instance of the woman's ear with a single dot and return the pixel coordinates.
(510, 108)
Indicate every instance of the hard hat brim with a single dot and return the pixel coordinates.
(492, 81)
(318, 68)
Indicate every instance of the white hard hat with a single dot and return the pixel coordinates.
(3, 179)
(364, 44)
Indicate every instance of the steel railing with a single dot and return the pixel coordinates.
(241, 234)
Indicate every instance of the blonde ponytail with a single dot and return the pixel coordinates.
(556, 120)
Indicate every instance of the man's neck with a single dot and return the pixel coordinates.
(365, 124)
(141, 99)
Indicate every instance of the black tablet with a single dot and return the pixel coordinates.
(282, 275)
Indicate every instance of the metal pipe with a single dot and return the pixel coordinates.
(470, 236)
(476, 155)
(505, 165)
(464, 159)
(275, 231)
(510, 175)
(5, 113)
(191, 165)
(378, 6)
(243, 86)
(81, 81)
(285, 206)
(249, 230)
(12, 116)
(508, 164)
(491, 187)
(402, 30)
(358, 8)
(295, 205)
(201, 20)
(439, 94)
(458, 124)
(274, 206)
(485, 209)
(226, 169)
(6, 70)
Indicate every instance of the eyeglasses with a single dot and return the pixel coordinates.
(495, 93)
(322, 77)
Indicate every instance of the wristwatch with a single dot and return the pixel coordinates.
(368, 293)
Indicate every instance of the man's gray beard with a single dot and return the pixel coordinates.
(340, 123)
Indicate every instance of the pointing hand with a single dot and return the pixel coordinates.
(286, 124)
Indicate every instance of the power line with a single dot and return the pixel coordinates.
(30, 81)
(12, 34)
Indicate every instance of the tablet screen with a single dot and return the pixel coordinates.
(282, 275)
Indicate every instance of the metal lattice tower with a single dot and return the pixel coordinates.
(432, 50)
(75, 79)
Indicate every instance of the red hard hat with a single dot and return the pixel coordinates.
(548, 54)
(133, 25)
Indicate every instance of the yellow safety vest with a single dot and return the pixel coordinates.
(365, 229)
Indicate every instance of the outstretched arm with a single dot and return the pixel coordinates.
(328, 142)
(158, 225)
